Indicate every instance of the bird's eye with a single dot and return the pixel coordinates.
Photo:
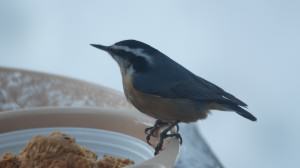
(139, 64)
(123, 54)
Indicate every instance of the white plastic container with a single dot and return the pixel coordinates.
(104, 131)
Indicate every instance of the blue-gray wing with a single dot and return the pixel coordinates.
(200, 89)
(193, 87)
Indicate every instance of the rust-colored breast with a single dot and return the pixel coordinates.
(163, 108)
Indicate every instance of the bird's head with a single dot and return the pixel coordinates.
(131, 55)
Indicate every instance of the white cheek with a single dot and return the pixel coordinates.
(117, 59)
(125, 67)
(130, 71)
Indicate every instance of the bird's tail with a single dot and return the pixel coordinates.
(243, 112)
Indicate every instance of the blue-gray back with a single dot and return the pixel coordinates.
(168, 79)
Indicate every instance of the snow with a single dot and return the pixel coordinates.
(21, 89)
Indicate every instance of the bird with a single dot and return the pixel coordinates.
(167, 91)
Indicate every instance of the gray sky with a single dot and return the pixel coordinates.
(249, 48)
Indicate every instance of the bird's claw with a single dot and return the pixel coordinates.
(148, 130)
(148, 137)
(176, 135)
(151, 130)
(164, 135)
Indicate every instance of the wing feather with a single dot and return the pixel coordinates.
(194, 88)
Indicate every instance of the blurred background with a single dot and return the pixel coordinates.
(249, 48)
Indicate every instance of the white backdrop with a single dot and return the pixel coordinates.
(249, 48)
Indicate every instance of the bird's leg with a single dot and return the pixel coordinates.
(151, 130)
(177, 127)
(164, 135)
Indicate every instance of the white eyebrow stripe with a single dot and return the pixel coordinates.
(138, 51)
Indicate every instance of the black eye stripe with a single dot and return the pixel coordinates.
(122, 53)
(139, 63)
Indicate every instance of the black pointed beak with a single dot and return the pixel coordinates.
(101, 47)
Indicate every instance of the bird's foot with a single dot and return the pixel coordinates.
(176, 135)
(164, 135)
(159, 146)
(150, 131)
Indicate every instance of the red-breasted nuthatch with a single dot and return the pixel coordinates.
(159, 87)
